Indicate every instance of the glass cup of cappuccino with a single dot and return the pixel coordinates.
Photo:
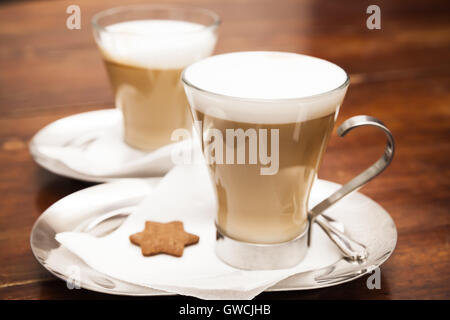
(265, 119)
(145, 48)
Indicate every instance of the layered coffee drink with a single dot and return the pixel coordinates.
(144, 60)
(274, 110)
(268, 208)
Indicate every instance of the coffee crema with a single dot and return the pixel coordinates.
(266, 90)
(144, 60)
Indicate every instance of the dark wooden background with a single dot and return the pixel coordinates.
(400, 74)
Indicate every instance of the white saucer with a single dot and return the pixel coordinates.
(365, 220)
(89, 146)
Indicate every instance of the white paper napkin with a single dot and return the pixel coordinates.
(104, 154)
(185, 194)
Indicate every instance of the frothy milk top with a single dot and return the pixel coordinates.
(265, 75)
(164, 44)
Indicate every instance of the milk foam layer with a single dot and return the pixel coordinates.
(162, 44)
(290, 87)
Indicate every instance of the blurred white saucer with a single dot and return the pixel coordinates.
(89, 146)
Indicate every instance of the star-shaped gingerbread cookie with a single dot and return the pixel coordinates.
(169, 238)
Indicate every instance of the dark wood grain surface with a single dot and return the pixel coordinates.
(399, 74)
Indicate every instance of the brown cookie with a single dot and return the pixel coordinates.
(169, 238)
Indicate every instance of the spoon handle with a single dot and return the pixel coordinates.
(351, 249)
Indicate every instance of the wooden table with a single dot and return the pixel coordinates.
(400, 74)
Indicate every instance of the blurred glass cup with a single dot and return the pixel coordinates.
(145, 48)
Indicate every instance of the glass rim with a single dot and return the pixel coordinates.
(138, 7)
(265, 100)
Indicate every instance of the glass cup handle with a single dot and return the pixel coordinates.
(364, 177)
